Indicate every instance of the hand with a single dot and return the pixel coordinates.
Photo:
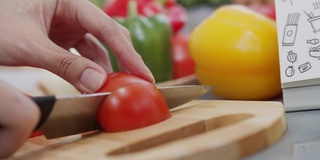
(38, 33)
(18, 117)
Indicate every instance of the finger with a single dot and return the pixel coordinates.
(92, 49)
(122, 67)
(96, 22)
(126, 32)
(86, 75)
(18, 117)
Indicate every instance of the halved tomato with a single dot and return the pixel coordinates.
(133, 103)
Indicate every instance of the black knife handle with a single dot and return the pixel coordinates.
(45, 104)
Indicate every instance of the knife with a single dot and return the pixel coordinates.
(74, 114)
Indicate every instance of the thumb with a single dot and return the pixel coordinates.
(84, 74)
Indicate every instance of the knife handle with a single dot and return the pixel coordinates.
(45, 104)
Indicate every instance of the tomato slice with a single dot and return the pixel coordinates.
(133, 103)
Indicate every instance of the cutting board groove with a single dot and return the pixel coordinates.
(187, 130)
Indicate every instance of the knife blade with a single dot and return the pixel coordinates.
(74, 114)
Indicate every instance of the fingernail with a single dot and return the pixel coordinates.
(92, 79)
(152, 80)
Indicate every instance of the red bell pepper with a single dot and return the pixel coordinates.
(177, 15)
(118, 8)
(183, 64)
(266, 10)
(175, 12)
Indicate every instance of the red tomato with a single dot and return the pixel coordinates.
(183, 64)
(133, 103)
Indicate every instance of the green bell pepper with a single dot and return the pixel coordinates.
(151, 38)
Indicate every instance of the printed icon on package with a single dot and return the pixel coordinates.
(314, 52)
(290, 71)
(290, 30)
(313, 41)
(292, 57)
(314, 20)
(288, 0)
(304, 67)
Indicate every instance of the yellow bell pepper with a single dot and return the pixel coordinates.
(236, 52)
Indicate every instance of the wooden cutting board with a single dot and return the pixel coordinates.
(201, 129)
